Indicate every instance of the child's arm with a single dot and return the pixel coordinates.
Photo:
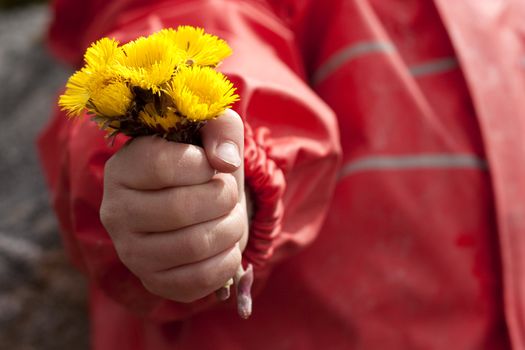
(291, 149)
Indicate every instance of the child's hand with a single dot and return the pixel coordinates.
(176, 224)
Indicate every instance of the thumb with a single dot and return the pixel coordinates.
(223, 141)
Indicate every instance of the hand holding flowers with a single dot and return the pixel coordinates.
(176, 223)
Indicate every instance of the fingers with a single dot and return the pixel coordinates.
(150, 163)
(223, 140)
(176, 223)
(147, 253)
(191, 282)
(168, 209)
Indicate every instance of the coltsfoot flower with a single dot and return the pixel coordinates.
(200, 93)
(200, 48)
(163, 84)
(112, 100)
(150, 63)
(95, 76)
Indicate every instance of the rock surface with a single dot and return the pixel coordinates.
(42, 299)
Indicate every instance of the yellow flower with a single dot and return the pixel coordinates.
(163, 123)
(163, 84)
(201, 93)
(103, 55)
(79, 89)
(149, 62)
(100, 59)
(112, 100)
(200, 48)
(74, 100)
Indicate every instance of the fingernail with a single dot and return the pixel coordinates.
(229, 153)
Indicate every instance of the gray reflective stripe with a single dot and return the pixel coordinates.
(349, 53)
(414, 162)
(346, 55)
(433, 67)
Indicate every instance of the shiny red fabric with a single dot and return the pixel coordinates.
(266, 184)
(418, 244)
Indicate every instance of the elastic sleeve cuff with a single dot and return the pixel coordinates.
(266, 183)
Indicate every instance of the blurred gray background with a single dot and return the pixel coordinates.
(42, 299)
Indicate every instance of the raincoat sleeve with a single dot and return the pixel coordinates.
(291, 147)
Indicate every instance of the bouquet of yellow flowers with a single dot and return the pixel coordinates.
(164, 84)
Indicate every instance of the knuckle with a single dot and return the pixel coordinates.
(210, 239)
(196, 250)
(154, 286)
(235, 262)
(162, 285)
(108, 215)
(109, 166)
(118, 212)
(230, 230)
(227, 185)
(232, 263)
(160, 165)
(105, 216)
(115, 160)
(236, 235)
(127, 253)
(213, 279)
(112, 211)
(113, 166)
(239, 224)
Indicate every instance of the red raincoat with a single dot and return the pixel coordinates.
(423, 240)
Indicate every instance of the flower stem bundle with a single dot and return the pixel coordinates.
(164, 84)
